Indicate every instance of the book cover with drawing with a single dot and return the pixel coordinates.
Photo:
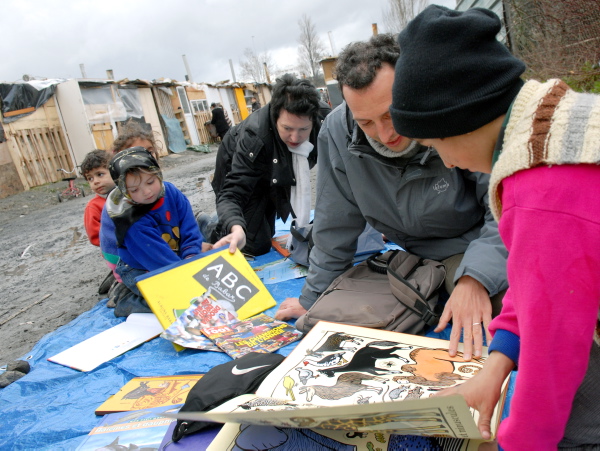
(348, 378)
(149, 392)
(135, 430)
(279, 243)
(260, 333)
(280, 271)
(93, 352)
(203, 312)
(228, 278)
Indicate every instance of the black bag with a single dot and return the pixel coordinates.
(393, 291)
(222, 383)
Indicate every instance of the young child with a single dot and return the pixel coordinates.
(95, 170)
(541, 143)
(134, 135)
(153, 221)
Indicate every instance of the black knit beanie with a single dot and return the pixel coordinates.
(453, 76)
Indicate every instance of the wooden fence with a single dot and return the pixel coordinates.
(38, 153)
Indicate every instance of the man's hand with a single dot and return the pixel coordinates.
(236, 239)
(290, 308)
(469, 307)
(482, 391)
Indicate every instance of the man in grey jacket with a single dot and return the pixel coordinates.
(369, 173)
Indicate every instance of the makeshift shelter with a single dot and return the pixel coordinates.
(33, 141)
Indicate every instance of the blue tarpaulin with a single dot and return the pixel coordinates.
(52, 408)
(175, 136)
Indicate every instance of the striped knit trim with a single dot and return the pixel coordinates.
(542, 120)
(549, 124)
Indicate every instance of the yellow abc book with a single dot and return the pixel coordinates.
(228, 278)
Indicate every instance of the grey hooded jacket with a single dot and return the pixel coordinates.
(417, 203)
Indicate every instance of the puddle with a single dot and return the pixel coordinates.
(204, 188)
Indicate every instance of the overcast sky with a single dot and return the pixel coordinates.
(146, 39)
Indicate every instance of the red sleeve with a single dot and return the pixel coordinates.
(91, 219)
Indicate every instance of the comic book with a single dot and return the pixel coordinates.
(149, 392)
(203, 312)
(375, 383)
(138, 429)
(260, 333)
(226, 277)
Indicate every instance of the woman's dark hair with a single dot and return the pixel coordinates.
(296, 96)
(359, 62)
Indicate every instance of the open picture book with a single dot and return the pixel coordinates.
(226, 277)
(348, 378)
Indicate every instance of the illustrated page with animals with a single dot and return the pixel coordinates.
(371, 381)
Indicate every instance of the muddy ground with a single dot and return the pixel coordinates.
(50, 273)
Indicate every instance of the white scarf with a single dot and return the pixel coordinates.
(300, 196)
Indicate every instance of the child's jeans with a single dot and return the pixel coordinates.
(131, 300)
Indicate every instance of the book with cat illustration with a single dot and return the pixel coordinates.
(149, 392)
(349, 378)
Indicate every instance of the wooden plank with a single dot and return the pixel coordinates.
(15, 155)
(38, 154)
(33, 163)
(17, 112)
(26, 158)
(63, 156)
(41, 155)
(52, 153)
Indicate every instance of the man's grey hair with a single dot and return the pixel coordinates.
(359, 62)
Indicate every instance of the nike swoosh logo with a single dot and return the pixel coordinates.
(237, 372)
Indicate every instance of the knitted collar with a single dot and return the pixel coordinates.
(384, 151)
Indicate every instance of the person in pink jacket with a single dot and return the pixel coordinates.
(459, 90)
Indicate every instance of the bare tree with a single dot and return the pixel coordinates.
(400, 12)
(253, 65)
(557, 40)
(311, 50)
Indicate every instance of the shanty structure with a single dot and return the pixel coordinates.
(51, 124)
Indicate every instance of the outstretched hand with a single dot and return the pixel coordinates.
(236, 239)
(482, 391)
(290, 308)
(469, 308)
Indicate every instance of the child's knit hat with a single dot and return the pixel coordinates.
(453, 76)
(134, 157)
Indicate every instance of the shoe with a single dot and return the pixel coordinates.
(207, 224)
(106, 283)
(14, 371)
